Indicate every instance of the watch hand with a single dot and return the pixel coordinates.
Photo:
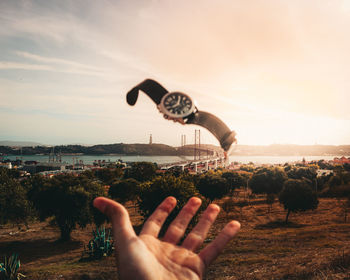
(178, 101)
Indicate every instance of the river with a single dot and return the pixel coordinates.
(89, 159)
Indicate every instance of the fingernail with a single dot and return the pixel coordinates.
(195, 201)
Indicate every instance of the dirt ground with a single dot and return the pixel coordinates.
(315, 245)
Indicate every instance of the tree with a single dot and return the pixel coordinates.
(234, 179)
(124, 190)
(9, 173)
(154, 192)
(297, 196)
(268, 180)
(270, 199)
(68, 199)
(108, 175)
(345, 206)
(141, 171)
(302, 172)
(213, 186)
(14, 206)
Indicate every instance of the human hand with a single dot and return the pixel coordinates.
(147, 257)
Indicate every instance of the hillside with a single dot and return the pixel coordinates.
(166, 150)
(127, 149)
(292, 150)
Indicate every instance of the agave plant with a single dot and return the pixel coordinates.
(9, 268)
(101, 245)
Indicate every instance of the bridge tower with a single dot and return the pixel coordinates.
(197, 144)
(183, 140)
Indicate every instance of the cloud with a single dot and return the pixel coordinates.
(14, 65)
(59, 61)
(5, 65)
(245, 61)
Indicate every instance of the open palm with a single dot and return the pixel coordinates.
(147, 257)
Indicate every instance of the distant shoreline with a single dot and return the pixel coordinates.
(121, 149)
(90, 159)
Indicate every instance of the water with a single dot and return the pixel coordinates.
(277, 159)
(89, 159)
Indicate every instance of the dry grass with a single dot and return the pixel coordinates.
(315, 245)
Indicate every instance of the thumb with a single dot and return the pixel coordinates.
(119, 217)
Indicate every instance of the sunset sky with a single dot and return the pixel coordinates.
(274, 71)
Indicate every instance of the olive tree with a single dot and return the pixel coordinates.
(154, 192)
(297, 196)
(68, 199)
(14, 206)
(141, 171)
(268, 180)
(107, 175)
(124, 190)
(213, 186)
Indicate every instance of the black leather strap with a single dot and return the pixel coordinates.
(152, 88)
(216, 126)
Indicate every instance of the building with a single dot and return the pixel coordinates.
(341, 160)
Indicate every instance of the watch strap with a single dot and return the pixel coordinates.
(216, 126)
(152, 88)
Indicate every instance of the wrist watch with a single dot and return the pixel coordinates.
(180, 107)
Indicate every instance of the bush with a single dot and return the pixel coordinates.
(101, 245)
(9, 268)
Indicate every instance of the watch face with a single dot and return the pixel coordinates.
(177, 105)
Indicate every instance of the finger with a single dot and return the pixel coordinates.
(156, 220)
(119, 217)
(177, 228)
(210, 253)
(200, 231)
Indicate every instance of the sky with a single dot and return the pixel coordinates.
(275, 71)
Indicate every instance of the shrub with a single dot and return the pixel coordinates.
(9, 268)
(101, 245)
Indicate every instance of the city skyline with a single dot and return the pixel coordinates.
(274, 71)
